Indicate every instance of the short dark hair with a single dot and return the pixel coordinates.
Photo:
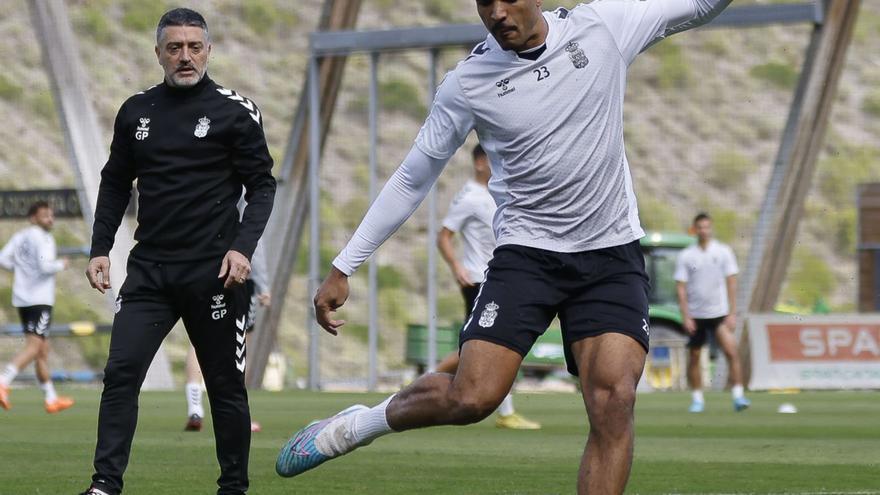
(181, 17)
(702, 216)
(37, 206)
(478, 152)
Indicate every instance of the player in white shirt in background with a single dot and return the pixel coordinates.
(705, 276)
(31, 256)
(470, 214)
(545, 95)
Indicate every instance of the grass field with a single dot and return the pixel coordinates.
(831, 446)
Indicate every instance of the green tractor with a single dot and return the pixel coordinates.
(667, 334)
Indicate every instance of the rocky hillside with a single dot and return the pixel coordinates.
(704, 116)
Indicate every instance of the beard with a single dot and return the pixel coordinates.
(188, 80)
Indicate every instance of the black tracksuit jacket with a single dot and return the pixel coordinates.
(191, 151)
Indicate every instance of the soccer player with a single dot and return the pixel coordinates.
(31, 256)
(192, 145)
(705, 277)
(470, 213)
(258, 293)
(545, 94)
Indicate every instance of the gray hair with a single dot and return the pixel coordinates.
(181, 17)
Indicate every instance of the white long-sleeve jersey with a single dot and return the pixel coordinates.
(31, 256)
(552, 127)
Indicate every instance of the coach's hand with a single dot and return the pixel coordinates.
(331, 296)
(98, 273)
(235, 268)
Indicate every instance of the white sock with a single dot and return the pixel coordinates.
(49, 390)
(506, 407)
(737, 391)
(371, 424)
(194, 400)
(8, 374)
(697, 396)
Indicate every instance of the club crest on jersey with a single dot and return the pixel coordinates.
(143, 130)
(487, 317)
(505, 87)
(576, 55)
(202, 127)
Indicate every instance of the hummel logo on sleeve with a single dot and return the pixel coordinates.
(252, 109)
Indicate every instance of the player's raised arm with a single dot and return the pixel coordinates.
(636, 25)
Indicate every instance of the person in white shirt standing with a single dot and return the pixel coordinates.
(470, 214)
(544, 93)
(705, 276)
(31, 256)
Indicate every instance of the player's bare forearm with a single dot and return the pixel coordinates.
(331, 295)
(681, 292)
(731, 297)
(687, 322)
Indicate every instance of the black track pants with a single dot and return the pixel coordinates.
(153, 297)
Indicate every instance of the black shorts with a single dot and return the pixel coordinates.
(592, 292)
(470, 297)
(35, 320)
(706, 327)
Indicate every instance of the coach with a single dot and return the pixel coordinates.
(192, 145)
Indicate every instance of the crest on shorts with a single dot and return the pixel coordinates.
(118, 305)
(202, 127)
(487, 317)
(577, 56)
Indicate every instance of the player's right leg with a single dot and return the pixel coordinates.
(54, 403)
(29, 353)
(514, 306)
(694, 368)
(485, 374)
(143, 319)
(727, 342)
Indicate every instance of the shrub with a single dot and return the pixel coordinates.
(658, 215)
(445, 10)
(44, 105)
(139, 15)
(389, 277)
(845, 167)
(779, 74)
(871, 104)
(400, 96)
(92, 21)
(262, 16)
(674, 72)
(729, 170)
(809, 279)
(9, 89)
